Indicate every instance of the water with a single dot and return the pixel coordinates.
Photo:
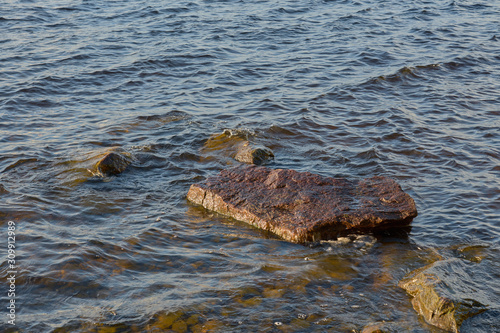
(341, 88)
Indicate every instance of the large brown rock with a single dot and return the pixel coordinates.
(301, 206)
(446, 293)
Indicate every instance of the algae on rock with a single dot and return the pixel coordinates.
(445, 293)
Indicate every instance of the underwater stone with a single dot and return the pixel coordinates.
(302, 206)
(445, 293)
(237, 145)
(249, 154)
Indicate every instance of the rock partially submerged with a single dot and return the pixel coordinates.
(237, 145)
(445, 293)
(113, 163)
(246, 153)
(301, 206)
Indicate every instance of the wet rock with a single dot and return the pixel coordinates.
(249, 154)
(165, 320)
(113, 163)
(226, 139)
(301, 206)
(350, 243)
(445, 293)
(236, 144)
(474, 253)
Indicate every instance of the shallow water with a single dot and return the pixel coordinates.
(341, 88)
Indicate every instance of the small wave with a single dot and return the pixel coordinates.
(20, 162)
(61, 25)
(147, 66)
(177, 10)
(466, 62)
(289, 10)
(405, 74)
(165, 118)
(375, 57)
(280, 132)
(43, 103)
(76, 57)
(36, 89)
(369, 154)
(458, 4)
(68, 9)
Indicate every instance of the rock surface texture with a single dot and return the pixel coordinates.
(445, 293)
(301, 206)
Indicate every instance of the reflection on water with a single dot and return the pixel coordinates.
(340, 88)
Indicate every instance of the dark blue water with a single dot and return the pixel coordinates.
(405, 89)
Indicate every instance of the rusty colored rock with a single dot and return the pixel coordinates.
(301, 206)
(113, 163)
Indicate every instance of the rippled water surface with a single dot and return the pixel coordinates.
(405, 89)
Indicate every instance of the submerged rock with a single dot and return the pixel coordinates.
(237, 145)
(445, 293)
(113, 163)
(225, 140)
(301, 206)
(249, 154)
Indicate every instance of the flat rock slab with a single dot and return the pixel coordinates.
(301, 206)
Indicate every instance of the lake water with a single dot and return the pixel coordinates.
(405, 89)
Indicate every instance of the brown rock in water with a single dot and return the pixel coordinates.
(225, 141)
(301, 206)
(113, 163)
(249, 154)
(445, 293)
(236, 144)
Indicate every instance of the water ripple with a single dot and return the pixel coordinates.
(342, 88)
